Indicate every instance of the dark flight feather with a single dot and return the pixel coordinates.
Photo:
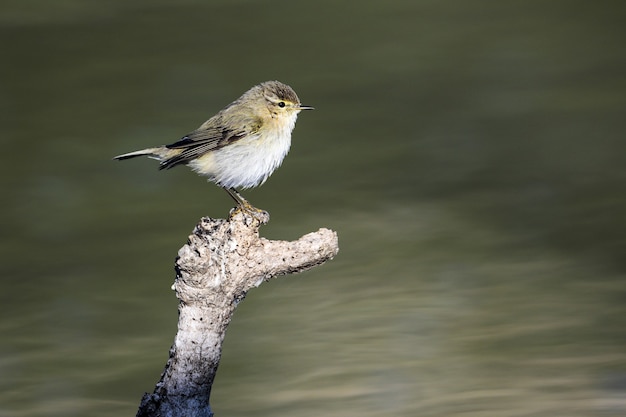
(199, 142)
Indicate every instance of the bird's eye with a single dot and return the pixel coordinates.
(281, 104)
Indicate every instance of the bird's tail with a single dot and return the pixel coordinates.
(149, 152)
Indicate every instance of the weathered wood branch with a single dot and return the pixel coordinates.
(221, 262)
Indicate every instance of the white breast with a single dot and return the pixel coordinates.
(247, 162)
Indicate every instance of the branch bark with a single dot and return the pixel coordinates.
(220, 263)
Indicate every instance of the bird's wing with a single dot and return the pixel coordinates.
(199, 142)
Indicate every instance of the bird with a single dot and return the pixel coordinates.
(240, 146)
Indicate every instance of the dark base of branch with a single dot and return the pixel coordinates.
(149, 405)
(152, 405)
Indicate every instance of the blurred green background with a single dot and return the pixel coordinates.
(471, 156)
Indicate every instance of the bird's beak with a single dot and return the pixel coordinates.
(303, 107)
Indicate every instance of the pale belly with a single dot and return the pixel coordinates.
(244, 164)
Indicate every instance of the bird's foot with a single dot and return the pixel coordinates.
(248, 210)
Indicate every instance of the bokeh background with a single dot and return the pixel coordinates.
(470, 155)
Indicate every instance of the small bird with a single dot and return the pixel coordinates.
(242, 145)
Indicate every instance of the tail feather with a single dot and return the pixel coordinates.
(150, 152)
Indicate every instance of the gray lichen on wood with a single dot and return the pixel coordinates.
(220, 263)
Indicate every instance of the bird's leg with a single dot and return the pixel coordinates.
(244, 206)
(239, 199)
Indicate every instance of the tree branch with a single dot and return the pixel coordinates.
(220, 263)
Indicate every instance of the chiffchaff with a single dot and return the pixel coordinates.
(241, 145)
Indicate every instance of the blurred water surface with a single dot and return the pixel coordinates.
(470, 155)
